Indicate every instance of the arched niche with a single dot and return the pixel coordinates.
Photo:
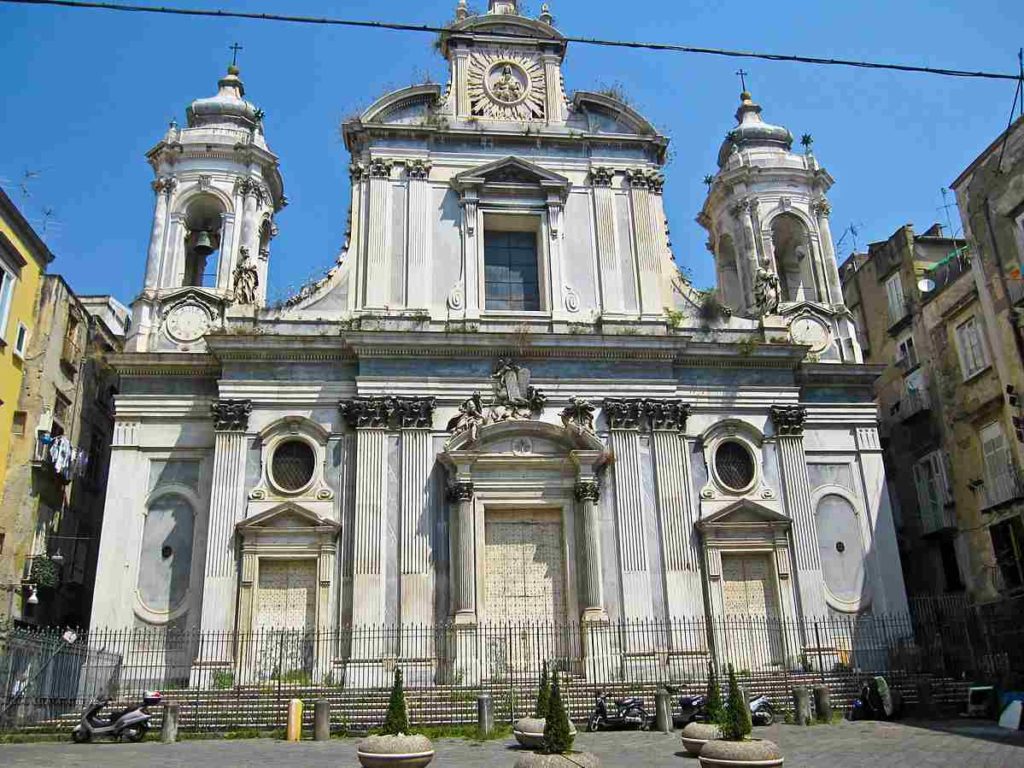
(165, 554)
(794, 258)
(842, 549)
(728, 271)
(203, 216)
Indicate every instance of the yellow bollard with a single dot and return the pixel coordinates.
(294, 730)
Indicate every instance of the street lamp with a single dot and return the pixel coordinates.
(33, 597)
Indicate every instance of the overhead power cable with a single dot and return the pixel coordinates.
(368, 24)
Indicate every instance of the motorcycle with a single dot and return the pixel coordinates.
(692, 709)
(876, 701)
(761, 712)
(628, 711)
(131, 724)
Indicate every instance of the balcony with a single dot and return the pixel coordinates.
(937, 518)
(913, 402)
(70, 354)
(1002, 489)
(899, 316)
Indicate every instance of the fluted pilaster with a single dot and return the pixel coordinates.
(463, 552)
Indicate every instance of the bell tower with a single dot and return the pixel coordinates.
(217, 190)
(767, 217)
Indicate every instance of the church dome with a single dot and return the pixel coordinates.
(228, 107)
(752, 131)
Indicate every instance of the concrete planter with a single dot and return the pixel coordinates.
(529, 732)
(696, 735)
(756, 753)
(399, 751)
(571, 760)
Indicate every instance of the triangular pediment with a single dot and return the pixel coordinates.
(285, 516)
(191, 293)
(744, 512)
(788, 309)
(511, 170)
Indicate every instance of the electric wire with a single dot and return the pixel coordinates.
(431, 29)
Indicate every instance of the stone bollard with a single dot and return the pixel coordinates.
(925, 699)
(663, 711)
(169, 727)
(485, 714)
(802, 705)
(293, 732)
(322, 720)
(823, 703)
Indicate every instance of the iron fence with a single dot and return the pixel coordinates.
(46, 674)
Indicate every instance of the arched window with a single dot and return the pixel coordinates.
(728, 272)
(793, 256)
(203, 220)
(266, 234)
(165, 561)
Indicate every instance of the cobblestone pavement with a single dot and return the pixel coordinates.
(846, 745)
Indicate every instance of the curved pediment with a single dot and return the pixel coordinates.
(408, 106)
(544, 438)
(611, 115)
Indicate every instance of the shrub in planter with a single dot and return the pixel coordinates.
(735, 749)
(395, 747)
(558, 737)
(714, 696)
(529, 731)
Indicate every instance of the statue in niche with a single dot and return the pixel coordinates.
(767, 290)
(507, 88)
(246, 278)
(470, 418)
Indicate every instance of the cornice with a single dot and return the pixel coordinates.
(258, 347)
(140, 364)
(839, 374)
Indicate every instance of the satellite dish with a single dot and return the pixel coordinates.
(925, 285)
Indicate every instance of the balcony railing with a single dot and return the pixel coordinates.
(69, 354)
(913, 402)
(938, 517)
(898, 313)
(1003, 488)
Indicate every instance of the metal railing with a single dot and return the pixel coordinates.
(1002, 488)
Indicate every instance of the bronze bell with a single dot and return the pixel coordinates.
(203, 244)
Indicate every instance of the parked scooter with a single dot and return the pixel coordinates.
(876, 701)
(131, 724)
(692, 709)
(761, 712)
(628, 712)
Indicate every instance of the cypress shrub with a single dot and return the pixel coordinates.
(735, 722)
(543, 694)
(557, 737)
(397, 720)
(714, 697)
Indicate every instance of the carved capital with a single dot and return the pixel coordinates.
(247, 187)
(165, 185)
(587, 490)
(380, 168)
(389, 412)
(656, 182)
(602, 176)
(788, 419)
(652, 414)
(356, 172)
(418, 169)
(741, 207)
(460, 492)
(638, 178)
(822, 208)
(578, 414)
(231, 415)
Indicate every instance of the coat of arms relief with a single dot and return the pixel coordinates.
(505, 85)
(512, 398)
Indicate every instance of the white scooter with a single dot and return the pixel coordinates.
(131, 724)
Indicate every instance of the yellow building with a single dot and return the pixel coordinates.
(23, 260)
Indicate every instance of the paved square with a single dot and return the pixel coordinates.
(846, 745)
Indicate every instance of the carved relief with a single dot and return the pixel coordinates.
(231, 415)
(470, 419)
(513, 398)
(389, 412)
(647, 413)
(602, 176)
(165, 185)
(380, 168)
(579, 414)
(822, 208)
(572, 300)
(418, 169)
(788, 419)
(506, 85)
(587, 490)
(460, 491)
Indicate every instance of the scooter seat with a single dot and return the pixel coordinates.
(626, 702)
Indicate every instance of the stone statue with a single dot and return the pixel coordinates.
(514, 398)
(579, 414)
(507, 88)
(246, 278)
(470, 418)
(767, 290)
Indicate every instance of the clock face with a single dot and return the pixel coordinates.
(812, 332)
(188, 323)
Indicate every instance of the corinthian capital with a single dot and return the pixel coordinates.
(460, 491)
(601, 176)
(231, 415)
(788, 419)
(418, 169)
(587, 490)
(380, 168)
(165, 185)
(822, 208)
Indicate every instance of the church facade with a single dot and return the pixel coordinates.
(505, 403)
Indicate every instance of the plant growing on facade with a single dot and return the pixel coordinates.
(714, 697)
(397, 719)
(735, 720)
(44, 572)
(543, 695)
(558, 737)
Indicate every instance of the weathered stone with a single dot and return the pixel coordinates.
(802, 705)
(823, 704)
(529, 731)
(401, 751)
(730, 754)
(570, 760)
(696, 735)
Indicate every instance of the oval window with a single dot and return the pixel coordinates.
(734, 465)
(841, 547)
(293, 465)
(165, 562)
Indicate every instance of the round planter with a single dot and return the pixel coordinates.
(756, 753)
(529, 732)
(395, 751)
(696, 735)
(572, 760)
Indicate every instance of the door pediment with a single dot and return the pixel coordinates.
(747, 514)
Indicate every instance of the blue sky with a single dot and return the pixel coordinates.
(86, 93)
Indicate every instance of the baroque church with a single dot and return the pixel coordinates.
(504, 403)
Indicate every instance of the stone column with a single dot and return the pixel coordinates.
(822, 210)
(371, 493)
(419, 272)
(463, 552)
(378, 244)
(227, 507)
(354, 246)
(642, 184)
(588, 493)
(601, 179)
(225, 269)
(554, 97)
(747, 259)
(789, 430)
(164, 188)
